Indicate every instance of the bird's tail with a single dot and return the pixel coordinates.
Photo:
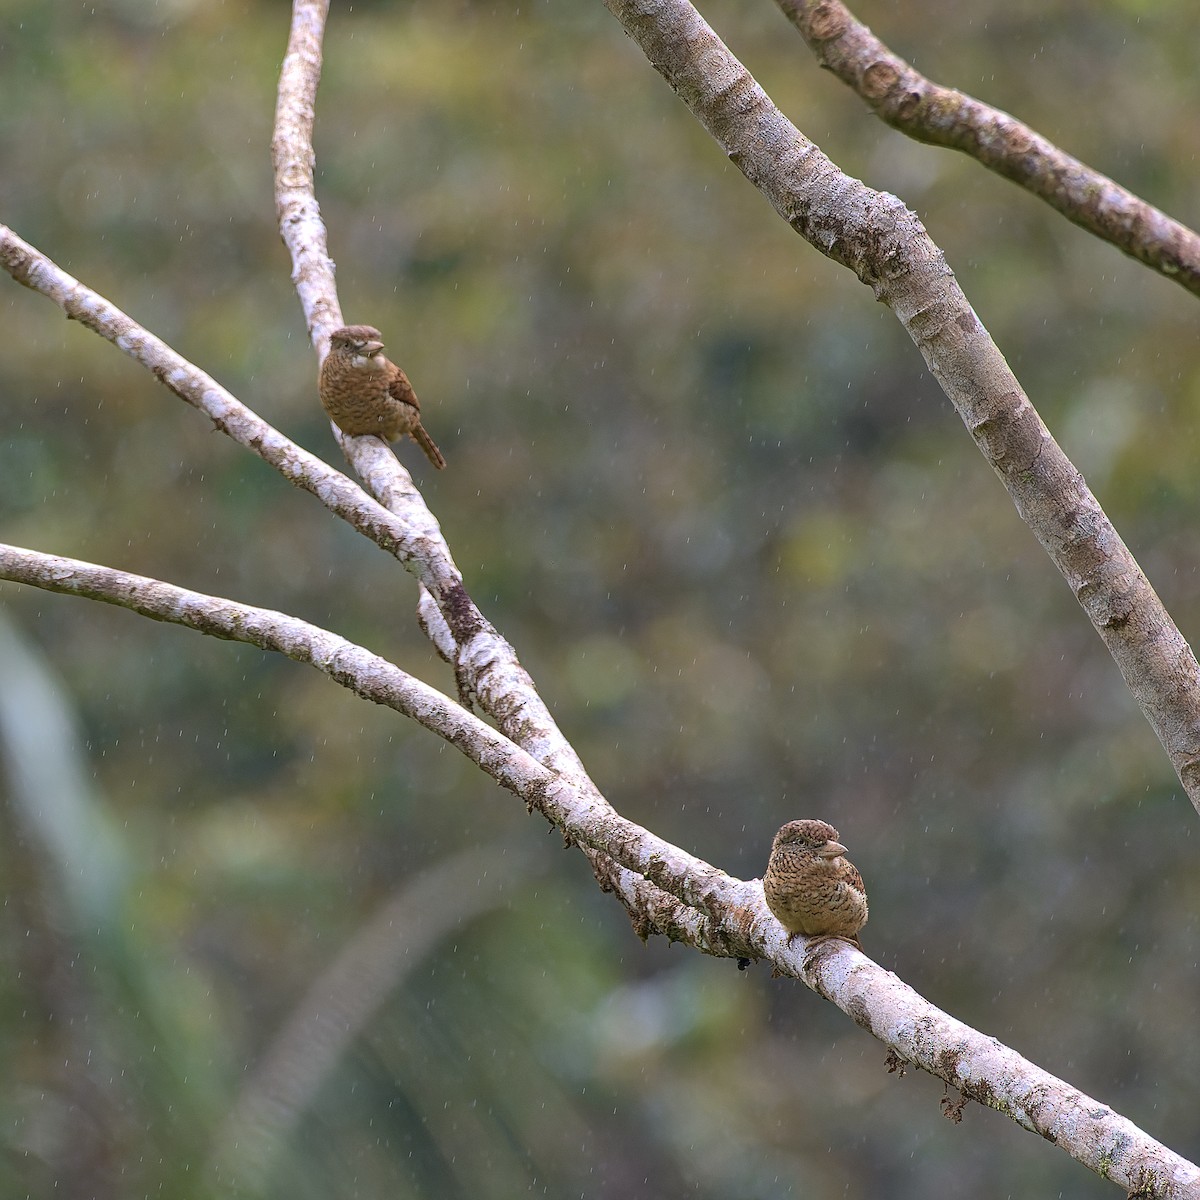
(428, 445)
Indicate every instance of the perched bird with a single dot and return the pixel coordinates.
(365, 392)
(811, 887)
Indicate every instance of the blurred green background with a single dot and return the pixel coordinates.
(742, 542)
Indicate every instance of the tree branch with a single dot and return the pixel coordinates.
(885, 244)
(717, 913)
(577, 808)
(486, 666)
(942, 116)
(294, 158)
(664, 888)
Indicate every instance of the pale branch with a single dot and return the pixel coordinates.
(405, 536)
(577, 809)
(485, 664)
(405, 528)
(730, 915)
(885, 244)
(294, 159)
(1089, 1131)
(942, 116)
(653, 911)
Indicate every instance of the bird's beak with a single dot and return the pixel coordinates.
(832, 850)
(370, 349)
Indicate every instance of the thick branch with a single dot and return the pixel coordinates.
(1090, 1132)
(730, 915)
(885, 244)
(941, 116)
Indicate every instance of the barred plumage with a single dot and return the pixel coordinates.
(811, 887)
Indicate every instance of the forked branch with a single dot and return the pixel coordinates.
(887, 247)
(665, 889)
(724, 916)
(943, 116)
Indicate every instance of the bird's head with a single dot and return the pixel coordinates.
(818, 837)
(360, 341)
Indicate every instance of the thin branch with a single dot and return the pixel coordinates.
(486, 666)
(577, 809)
(942, 116)
(886, 245)
(293, 158)
(730, 915)
(406, 536)
(719, 914)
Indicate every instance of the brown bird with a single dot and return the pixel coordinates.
(811, 887)
(365, 392)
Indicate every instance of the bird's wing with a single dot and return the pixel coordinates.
(400, 389)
